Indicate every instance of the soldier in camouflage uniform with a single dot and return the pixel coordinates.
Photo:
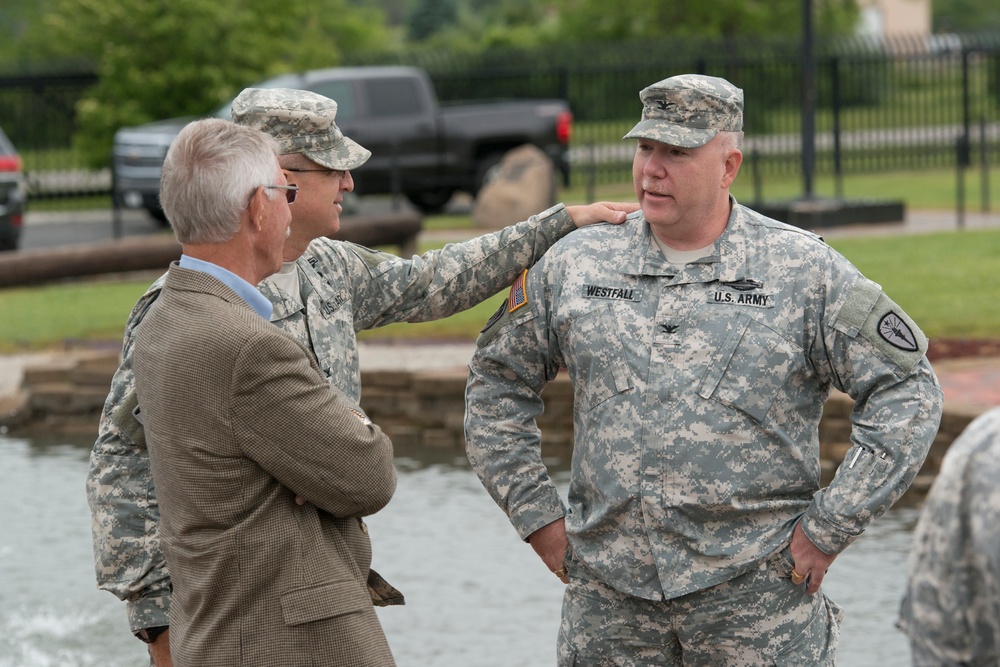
(326, 292)
(701, 344)
(951, 609)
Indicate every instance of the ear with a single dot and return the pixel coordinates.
(255, 210)
(732, 167)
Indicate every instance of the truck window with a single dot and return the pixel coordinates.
(394, 97)
(341, 92)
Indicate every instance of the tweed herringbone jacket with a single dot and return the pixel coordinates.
(238, 423)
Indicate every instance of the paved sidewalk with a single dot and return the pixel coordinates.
(918, 222)
(973, 382)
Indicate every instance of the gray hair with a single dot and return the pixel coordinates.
(212, 169)
(732, 140)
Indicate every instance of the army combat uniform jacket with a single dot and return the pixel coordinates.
(698, 392)
(951, 609)
(345, 288)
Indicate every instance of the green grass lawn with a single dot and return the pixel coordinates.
(919, 190)
(948, 282)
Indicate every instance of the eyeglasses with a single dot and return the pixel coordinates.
(291, 191)
(339, 173)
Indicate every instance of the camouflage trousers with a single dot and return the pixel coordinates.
(758, 618)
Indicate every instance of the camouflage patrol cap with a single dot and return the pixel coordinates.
(302, 122)
(688, 110)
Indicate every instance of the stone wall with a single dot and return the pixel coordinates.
(60, 394)
(417, 409)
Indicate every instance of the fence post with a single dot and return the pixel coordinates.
(963, 148)
(984, 166)
(116, 206)
(965, 154)
(838, 171)
(758, 186)
(962, 153)
(808, 92)
(591, 173)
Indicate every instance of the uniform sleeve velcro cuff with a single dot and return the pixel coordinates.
(559, 216)
(151, 611)
(826, 536)
(529, 517)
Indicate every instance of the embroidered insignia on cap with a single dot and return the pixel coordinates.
(896, 332)
(518, 296)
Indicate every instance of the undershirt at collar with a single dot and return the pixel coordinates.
(287, 279)
(682, 257)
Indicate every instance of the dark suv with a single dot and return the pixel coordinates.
(13, 195)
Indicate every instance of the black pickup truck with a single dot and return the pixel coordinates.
(419, 149)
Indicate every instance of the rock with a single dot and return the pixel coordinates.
(523, 185)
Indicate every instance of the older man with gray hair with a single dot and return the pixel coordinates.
(239, 422)
(324, 293)
(702, 341)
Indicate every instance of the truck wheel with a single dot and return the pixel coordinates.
(430, 201)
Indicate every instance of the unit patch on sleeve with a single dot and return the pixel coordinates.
(885, 326)
(518, 295)
(897, 333)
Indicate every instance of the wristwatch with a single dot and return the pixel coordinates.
(149, 635)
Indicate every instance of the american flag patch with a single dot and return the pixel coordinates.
(518, 296)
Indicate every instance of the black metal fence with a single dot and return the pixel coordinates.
(38, 114)
(879, 105)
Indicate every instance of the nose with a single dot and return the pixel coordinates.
(654, 166)
(347, 183)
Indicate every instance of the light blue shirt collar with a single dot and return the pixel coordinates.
(245, 290)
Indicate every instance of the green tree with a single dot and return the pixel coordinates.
(965, 15)
(526, 23)
(165, 58)
(480, 25)
(593, 20)
(429, 17)
(18, 19)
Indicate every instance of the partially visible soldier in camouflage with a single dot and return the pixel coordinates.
(701, 344)
(951, 608)
(326, 292)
